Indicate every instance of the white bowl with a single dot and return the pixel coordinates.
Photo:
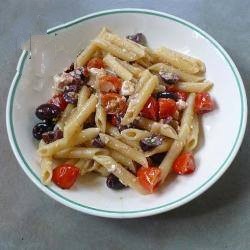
(223, 129)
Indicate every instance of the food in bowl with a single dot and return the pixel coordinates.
(125, 111)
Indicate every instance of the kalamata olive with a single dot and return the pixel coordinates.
(51, 136)
(169, 77)
(157, 158)
(97, 142)
(138, 38)
(80, 75)
(48, 112)
(114, 183)
(70, 93)
(150, 142)
(166, 95)
(70, 68)
(41, 128)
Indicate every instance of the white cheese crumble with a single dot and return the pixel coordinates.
(181, 104)
(128, 88)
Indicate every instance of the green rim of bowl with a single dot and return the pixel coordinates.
(132, 213)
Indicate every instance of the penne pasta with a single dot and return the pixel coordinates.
(193, 137)
(138, 100)
(83, 97)
(127, 163)
(194, 87)
(85, 55)
(100, 118)
(124, 43)
(124, 149)
(53, 147)
(46, 170)
(124, 175)
(66, 113)
(136, 71)
(133, 134)
(115, 50)
(156, 127)
(164, 147)
(80, 117)
(179, 60)
(145, 76)
(179, 144)
(117, 67)
(80, 152)
(186, 77)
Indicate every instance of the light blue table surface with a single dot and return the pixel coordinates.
(218, 219)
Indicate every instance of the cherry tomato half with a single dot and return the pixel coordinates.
(149, 177)
(59, 101)
(180, 94)
(151, 109)
(203, 103)
(65, 175)
(110, 84)
(184, 164)
(95, 62)
(114, 103)
(167, 108)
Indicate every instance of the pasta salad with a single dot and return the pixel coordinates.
(124, 111)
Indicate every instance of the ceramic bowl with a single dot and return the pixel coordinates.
(222, 131)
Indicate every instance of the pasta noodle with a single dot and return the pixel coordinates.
(179, 60)
(194, 86)
(178, 145)
(126, 150)
(80, 152)
(138, 100)
(193, 137)
(74, 125)
(117, 67)
(156, 127)
(46, 170)
(124, 175)
(183, 75)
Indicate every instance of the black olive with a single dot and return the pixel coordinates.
(97, 142)
(70, 68)
(166, 95)
(157, 158)
(80, 76)
(41, 128)
(151, 142)
(138, 38)
(114, 183)
(169, 77)
(48, 112)
(51, 136)
(70, 93)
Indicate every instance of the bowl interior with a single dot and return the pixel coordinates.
(222, 129)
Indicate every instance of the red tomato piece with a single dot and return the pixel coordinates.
(149, 177)
(203, 103)
(95, 62)
(184, 164)
(151, 109)
(114, 103)
(59, 101)
(114, 120)
(181, 94)
(167, 108)
(110, 84)
(65, 175)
